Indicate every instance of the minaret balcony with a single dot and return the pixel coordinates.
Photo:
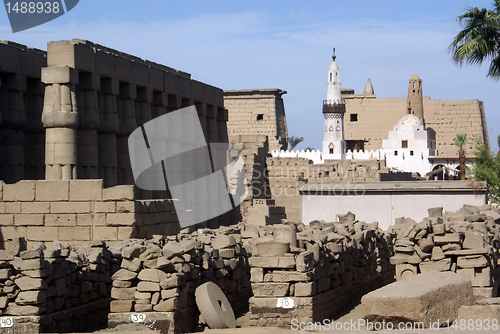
(330, 107)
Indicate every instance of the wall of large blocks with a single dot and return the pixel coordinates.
(287, 175)
(257, 112)
(79, 211)
(105, 95)
(377, 116)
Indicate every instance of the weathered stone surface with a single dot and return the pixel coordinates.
(473, 241)
(433, 296)
(305, 261)
(476, 313)
(272, 248)
(435, 212)
(405, 271)
(448, 238)
(124, 275)
(168, 305)
(441, 265)
(426, 244)
(170, 293)
(171, 282)
(145, 286)
(31, 297)
(132, 264)
(119, 306)
(6, 255)
(437, 253)
(472, 261)
(305, 289)
(270, 289)
(272, 262)
(27, 283)
(152, 275)
(14, 309)
(123, 293)
(292, 276)
(223, 241)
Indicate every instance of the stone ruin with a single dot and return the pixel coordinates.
(262, 270)
(466, 242)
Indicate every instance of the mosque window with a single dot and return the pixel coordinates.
(354, 117)
(395, 152)
(404, 144)
(411, 152)
(260, 117)
(331, 151)
(330, 76)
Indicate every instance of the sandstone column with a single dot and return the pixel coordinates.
(13, 122)
(88, 161)
(34, 132)
(60, 118)
(126, 114)
(108, 128)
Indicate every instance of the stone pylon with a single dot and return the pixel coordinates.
(60, 118)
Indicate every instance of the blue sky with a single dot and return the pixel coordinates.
(287, 45)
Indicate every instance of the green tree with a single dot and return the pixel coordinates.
(309, 149)
(294, 141)
(460, 141)
(479, 39)
(487, 167)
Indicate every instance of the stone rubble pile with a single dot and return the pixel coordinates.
(161, 274)
(466, 242)
(317, 264)
(43, 280)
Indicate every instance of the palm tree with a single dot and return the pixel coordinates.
(480, 38)
(294, 141)
(312, 149)
(498, 141)
(460, 141)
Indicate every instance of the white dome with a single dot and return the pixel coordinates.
(334, 67)
(410, 119)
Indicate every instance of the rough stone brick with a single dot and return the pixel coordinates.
(28, 219)
(10, 232)
(23, 191)
(305, 289)
(433, 296)
(7, 219)
(120, 219)
(85, 190)
(119, 193)
(123, 293)
(120, 306)
(125, 206)
(39, 233)
(70, 207)
(2, 207)
(13, 207)
(74, 233)
(35, 207)
(28, 283)
(63, 219)
(52, 190)
(84, 219)
(105, 207)
(479, 314)
(126, 233)
(105, 233)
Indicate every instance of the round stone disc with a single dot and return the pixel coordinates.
(214, 306)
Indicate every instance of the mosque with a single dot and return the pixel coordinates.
(408, 147)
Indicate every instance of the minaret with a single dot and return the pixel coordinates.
(414, 103)
(333, 110)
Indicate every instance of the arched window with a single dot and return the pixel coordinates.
(330, 76)
(331, 147)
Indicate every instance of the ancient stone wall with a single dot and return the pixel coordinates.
(22, 135)
(311, 273)
(257, 112)
(466, 242)
(42, 282)
(375, 117)
(92, 98)
(79, 211)
(287, 175)
(161, 275)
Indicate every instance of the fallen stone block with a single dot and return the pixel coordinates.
(272, 262)
(472, 261)
(473, 241)
(476, 313)
(435, 212)
(441, 265)
(425, 298)
(119, 306)
(223, 241)
(305, 261)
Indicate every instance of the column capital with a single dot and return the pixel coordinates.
(59, 75)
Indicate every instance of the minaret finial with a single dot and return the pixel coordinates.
(334, 56)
